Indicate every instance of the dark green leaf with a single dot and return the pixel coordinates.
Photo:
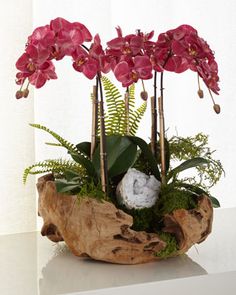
(84, 147)
(186, 165)
(121, 155)
(215, 202)
(147, 154)
(86, 163)
(64, 186)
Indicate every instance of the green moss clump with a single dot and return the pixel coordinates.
(143, 219)
(174, 199)
(91, 190)
(171, 245)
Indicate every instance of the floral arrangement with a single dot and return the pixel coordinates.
(140, 178)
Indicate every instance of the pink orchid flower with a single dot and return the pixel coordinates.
(44, 72)
(84, 63)
(127, 73)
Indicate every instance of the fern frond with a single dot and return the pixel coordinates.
(136, 117)
(132, 97)
(59, 166)
(69, 146)
(115, 107)
(53, 144)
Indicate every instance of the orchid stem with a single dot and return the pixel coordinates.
(94, 119)
(127, 131)
(154, 118)
(103, 153)
(162, 132)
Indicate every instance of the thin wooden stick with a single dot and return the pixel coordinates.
(162, 133)
(94, 121)
(154, 126)
(103, 154)
(154, 118)
(127, 131)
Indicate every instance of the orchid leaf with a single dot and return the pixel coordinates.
(147, 154)
(121, 155)
(187, 165)
(84, 147)
(86, 163)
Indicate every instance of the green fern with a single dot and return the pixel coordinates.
(115, 107)
(64, 143)
(116, 117)
(59, 166)
(135, 118)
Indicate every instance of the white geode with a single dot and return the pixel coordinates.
(137, 190)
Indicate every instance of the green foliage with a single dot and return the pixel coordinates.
(121, 155)
(172, 198)
(147, 155)
(192, 147)
(92, 190)
(80, 186)
(57, 166)
(191, 163)
(62, 142)
(171, 245)
(143, 219)
(116, 115)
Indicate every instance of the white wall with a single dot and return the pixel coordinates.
(17, 202)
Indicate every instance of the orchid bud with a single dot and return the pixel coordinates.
(216, 108)
(200, 93)
(144, 95)
(19, 94)
(25, 92)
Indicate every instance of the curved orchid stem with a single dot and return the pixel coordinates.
(103, 153)
(162, 132)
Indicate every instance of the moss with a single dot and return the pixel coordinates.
(171, 245)
(143, 219)
(91, 190)
(174, 199)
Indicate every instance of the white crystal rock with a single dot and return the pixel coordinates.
(137, 190)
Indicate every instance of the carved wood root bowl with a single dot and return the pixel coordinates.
(101, 231)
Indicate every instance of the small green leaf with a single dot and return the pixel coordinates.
(186, 165)
(64, 186)
(215, 202)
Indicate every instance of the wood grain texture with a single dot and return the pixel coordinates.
(103, 232)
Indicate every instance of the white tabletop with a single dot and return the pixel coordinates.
(33, 265)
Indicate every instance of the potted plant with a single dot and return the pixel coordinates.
(118, 198)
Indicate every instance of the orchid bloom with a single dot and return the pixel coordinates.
(129, 72)
(181, 49)
(131, 57)
(84, 63)
(49, 42)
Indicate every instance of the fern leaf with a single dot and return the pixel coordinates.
(115, 106)
(54, 166)
(69, 146)
(136, 117)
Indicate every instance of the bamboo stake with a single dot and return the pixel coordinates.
(94, 121)
(127, 112)
(154, 126)
(162, 133)
(103, 154)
